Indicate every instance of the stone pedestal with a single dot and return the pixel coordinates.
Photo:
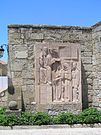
(16, 112)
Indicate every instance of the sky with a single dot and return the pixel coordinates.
(51, 12)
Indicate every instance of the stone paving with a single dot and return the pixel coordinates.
(53, 131)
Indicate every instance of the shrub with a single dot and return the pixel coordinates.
(2, 110)
(64, 118)
(11, 120)
(89, 116)
(41, 118)
(3, 120)
(25, 118)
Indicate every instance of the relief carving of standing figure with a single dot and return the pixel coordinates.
(45, 76)
(45, 66)
(42, 59)
(75, 82)
(58, 84)
(67, 81)
(63, 83)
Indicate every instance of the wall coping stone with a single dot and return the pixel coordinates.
(48, 26)
(39, 26)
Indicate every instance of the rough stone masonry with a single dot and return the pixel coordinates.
(24, 71)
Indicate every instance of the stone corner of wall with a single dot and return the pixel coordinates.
(96, 25)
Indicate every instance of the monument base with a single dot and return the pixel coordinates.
(16, 112)
(55, 108)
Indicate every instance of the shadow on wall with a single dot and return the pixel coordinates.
(12, 91)
(84, 88)
(22, 102)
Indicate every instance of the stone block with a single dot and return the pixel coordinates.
(28, 81)
(87, 47)
(13, 30)
(23, 30)
(72, 37)
(17, 81)
(15, 41)
(14, 36)
(87, 60)
(18, 65)
(17, 74)
(86, 36)
(27, 74)
(21, 54)
(30, 88)
(90, 98)
(17, 89)
(37, 36)
(89, 81)
(22, 36)
(24, 88)
(28, 93)
(16, 112)
(88, 67)
(17, 48)
(86, 54)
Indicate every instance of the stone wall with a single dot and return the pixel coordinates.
(96, 41)
(22, 39)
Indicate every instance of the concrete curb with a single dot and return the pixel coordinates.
(96, 125)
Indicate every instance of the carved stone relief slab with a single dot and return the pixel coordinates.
(57, 73)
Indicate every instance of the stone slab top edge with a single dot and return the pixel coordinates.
(48, 26)
(53, 26)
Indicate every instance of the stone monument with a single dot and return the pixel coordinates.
(57, 73)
